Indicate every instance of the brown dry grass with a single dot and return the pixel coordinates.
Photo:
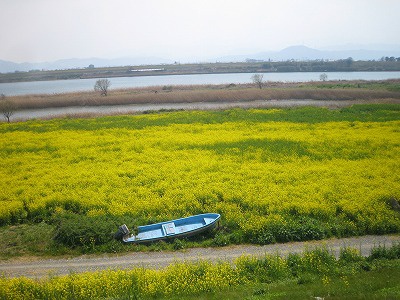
(202, 93)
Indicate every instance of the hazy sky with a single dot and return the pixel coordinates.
(185, 30)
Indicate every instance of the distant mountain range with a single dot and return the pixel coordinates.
(306, 53)
(293, 52)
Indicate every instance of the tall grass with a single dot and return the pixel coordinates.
(207, 93)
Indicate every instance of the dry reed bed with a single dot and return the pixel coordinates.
(190, 94)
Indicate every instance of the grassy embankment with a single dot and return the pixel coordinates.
(274, 175)
(315, 273)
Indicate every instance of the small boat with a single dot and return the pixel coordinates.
(172, 229)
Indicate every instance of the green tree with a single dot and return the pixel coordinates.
(349, 61)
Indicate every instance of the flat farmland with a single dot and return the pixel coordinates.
(275, 175)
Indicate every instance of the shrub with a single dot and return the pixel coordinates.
(294, 263)
(179, 244)
(167, 88)
(79, 230)
(318, 261)
(295, 229)
(267, 269)
(380, 252)
(349, 255)
(221, 239)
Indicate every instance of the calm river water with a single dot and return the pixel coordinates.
(27, 114)
(75, 85)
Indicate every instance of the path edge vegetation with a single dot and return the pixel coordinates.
(317, 273)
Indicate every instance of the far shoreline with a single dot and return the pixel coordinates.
(321, 66)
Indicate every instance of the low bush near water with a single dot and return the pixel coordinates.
(273, 175)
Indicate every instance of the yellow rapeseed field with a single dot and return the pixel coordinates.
(257, 170)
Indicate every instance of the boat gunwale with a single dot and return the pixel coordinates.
(216, 218)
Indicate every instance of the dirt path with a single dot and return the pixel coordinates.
(46, 113)
(51, 267)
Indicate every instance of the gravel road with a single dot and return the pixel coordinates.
(50, 267)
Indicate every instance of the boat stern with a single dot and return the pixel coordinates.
(122, 233)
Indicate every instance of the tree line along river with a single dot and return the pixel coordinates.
(76, 85)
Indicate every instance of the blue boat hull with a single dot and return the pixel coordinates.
(173, 229)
